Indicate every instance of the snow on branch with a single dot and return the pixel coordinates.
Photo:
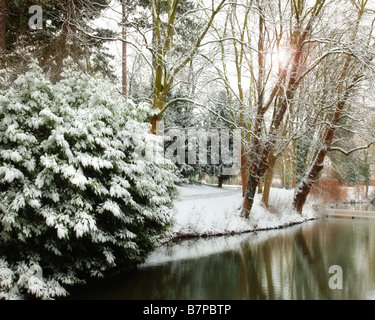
(347, 153)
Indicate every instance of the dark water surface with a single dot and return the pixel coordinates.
(290, 263)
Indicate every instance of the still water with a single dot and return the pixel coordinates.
(291, 263)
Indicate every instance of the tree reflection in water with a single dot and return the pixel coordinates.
(291, 263)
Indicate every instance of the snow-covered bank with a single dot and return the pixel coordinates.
(208, 210)
(204, 246)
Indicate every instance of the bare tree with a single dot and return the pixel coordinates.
(257, 31)
(301, 26)
(350, 76)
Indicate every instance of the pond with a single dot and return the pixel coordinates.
(289, 263)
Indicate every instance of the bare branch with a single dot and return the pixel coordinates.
(347, 153)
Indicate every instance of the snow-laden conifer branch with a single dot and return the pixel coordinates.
(81, 180)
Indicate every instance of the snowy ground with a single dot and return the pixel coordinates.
(209, 210)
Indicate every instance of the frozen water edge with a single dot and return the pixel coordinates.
(208, 210)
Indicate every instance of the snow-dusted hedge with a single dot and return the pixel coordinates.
(78, 196)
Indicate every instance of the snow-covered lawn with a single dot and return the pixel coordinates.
(209, 210)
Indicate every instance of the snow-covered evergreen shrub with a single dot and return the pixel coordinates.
(79, 192)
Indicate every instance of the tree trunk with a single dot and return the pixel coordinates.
(243, 169)
(63, 40)
(268, 180)
(63, 51)
(2, 26)
(305, 185)
(253, 177)
(367, 175)
(221, 180)
(155, 122)
(288, 172)
(124, 49)
(250, 195)
(294, 179)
